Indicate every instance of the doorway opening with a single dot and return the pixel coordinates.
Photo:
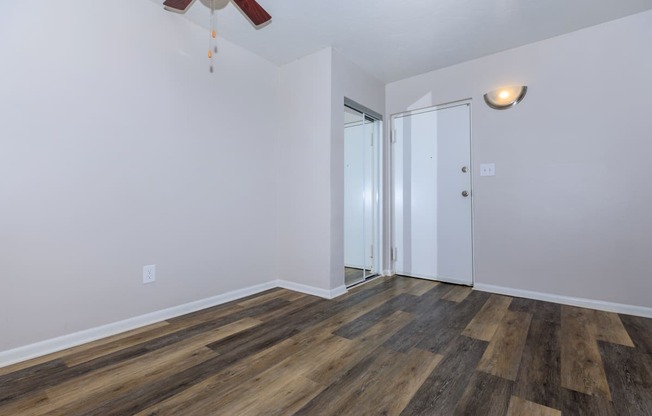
(362, 129)
(432, 222)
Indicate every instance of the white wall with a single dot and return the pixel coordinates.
(351, 82)
(568, 210)
(119, 149)
(303, 179)
(311, 164)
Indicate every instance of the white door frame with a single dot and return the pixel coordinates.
(390, 183)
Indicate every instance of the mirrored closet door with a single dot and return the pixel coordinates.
(361, 134)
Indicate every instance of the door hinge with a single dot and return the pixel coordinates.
(392, 136)
(372, 139)
(372, 252)
(394, 254)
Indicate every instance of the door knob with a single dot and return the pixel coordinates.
(465, 169)
(465, 193)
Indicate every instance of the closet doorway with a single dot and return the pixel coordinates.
(432, 235)
(362, 129)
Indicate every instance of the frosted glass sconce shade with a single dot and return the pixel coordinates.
(505, 97)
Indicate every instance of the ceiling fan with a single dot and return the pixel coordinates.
(250, 8)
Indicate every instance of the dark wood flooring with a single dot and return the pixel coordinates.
(393, 346)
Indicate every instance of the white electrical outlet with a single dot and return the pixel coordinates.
(488, 169)
(149, 274)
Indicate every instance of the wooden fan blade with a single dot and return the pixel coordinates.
(253, 11)
(179, 6)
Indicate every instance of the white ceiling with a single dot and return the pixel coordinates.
(397, 39)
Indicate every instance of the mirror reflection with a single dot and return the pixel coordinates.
(361, 133)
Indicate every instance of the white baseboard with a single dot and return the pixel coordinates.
(568, 300)
(311, 290)
(61, 343)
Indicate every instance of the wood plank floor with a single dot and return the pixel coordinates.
(393, 346)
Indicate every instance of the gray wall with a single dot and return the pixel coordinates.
(568, 210)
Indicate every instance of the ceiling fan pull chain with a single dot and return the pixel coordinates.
(213, 34)
(254, 12)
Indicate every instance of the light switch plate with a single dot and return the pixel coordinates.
(488, 169)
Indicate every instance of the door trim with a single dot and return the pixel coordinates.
(362, 109)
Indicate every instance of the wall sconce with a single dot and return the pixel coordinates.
(505, 97)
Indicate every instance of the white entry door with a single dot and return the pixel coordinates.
(432, 220)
